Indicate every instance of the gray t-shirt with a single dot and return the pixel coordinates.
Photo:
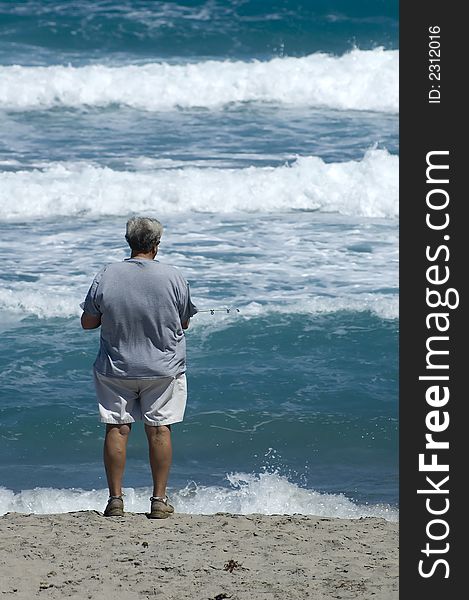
(142, 304)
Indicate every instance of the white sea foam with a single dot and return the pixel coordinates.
(265, 493)
(367, 187)
(47, 304)
(384, 306)
(43, 303)
(358, 80)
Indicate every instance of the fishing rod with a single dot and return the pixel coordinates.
(214, 310)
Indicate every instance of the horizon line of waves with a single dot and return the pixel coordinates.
(29, 302)
(264, 493)
(357, 80)
(366, 187)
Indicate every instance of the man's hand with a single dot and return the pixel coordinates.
(90, 321)
(185, 325)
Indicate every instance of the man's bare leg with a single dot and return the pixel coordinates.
(161, 454)
(115, 449)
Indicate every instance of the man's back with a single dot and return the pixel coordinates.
(143, 304)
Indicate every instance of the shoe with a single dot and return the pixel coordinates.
(115, 507)
(160, 508)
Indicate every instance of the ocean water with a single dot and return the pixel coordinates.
(264, 136)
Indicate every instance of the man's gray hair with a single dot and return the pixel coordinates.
(143, 234)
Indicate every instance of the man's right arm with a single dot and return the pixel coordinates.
(187, 309)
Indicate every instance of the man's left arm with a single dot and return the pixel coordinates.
(91, 316)
(90, 321)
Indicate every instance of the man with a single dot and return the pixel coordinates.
(142, 306)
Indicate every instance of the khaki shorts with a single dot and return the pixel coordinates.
(160, 401)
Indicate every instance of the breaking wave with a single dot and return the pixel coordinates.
(357, 80)
(368, 188)
(264, 493)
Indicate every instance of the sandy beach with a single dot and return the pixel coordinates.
(223, 556)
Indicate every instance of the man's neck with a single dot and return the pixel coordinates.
(145, 255)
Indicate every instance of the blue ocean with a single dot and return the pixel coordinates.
(264, 136)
